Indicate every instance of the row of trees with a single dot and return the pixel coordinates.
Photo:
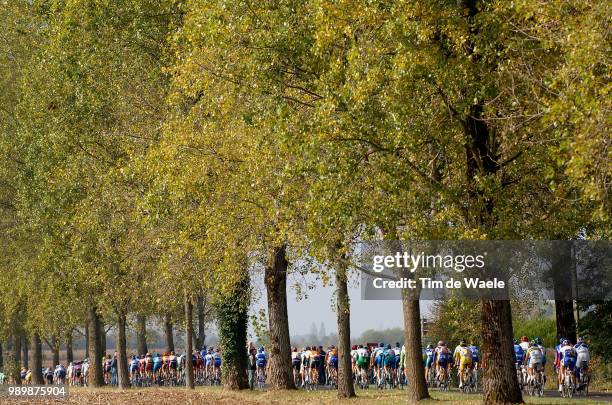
(158, 149)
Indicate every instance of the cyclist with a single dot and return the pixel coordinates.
(363, 362)
(429, 359)
(567, 362)
(157, 364)
(305, 364)
(296, 362)
(524, 343)
(389, 363)
(442, 361)
(107, 365)
(582, 358)
(217, 364)
(172, 364)
(209, 363)
(463, 360)
(315, 363)
(262, 361)
(519, 355)
(134, 364)
(377, 358)
(538, 342)
(59, 374)
(332, 363)
(533, 360)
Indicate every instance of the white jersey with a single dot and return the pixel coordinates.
(582, 353)
(296, 355)
(524, 346)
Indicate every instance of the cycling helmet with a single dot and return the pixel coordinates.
(565, 342)
(441, 343)
(538, 341)
(396, 344)
(515, 341)
(430, 346)
(532, 343)
(261, 349)
(561, 339)
(381, 344)
(354, 347)
(360, 347)
(580, 339)
(307, 348)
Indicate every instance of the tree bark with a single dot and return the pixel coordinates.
(17, 356)
(87, 351)
(1, 357)
(346, 389)
(280, 373)
(55, 349)
(566, 323)
(141, 334)
(168, 327)
(200, 338)
(500, 384)
(190, 384)
(102, 336)
(414, 369)
(95, 353)
(37, 377)
(25, 358)
(121, 347)
(69, 351)
(232, 317)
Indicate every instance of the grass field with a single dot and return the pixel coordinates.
(219, 396)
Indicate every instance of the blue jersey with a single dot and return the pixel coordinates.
(261, 359)
(519, 354)
(475, 353)
(157, 359)
(429, 353)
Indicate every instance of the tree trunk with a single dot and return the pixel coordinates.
(232, 317)
(25, 349)
(95, 378)
(189, 343)
(1, 357)
(500, 384)
(102, 336)
(121, 347)
(414, 369)
(17, 356)
(566, 323)
(141, 334)
(280, 373)
(69, 351)
(200, 338)
(168, 327)
(55, 349)
(37, 377)
(87, 351)
(346, 389)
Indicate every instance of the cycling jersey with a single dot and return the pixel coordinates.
(261, 359)
(582, 354)
(172, 361)
(463, 356)
(519, 354)
(134, 363)
(363, 357)
(534, 357)
(217, 359)
(524, 346)
(429, 357)
(475, 353)
(442, 356)
(389, 358)
(568, 356)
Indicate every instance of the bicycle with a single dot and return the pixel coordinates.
(567, 387)
(261, 378)
(583, 381)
